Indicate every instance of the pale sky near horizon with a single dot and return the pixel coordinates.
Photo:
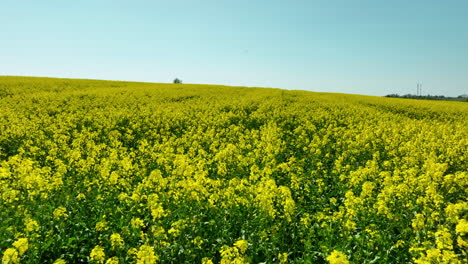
(371, 47)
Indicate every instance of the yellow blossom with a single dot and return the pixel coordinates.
(60, 212)
(132, 252)
(10, 256)
(101, 226)
(462, 227)
(337, 257)
(418, 222)
(31, 225)
(137, 223)
(116, 240)
(206, 261)
(462, 242)
(234, 254)
(241, 245)
(122, 196)
(283, 257)
(113, 260)
(97, 254)
(198, 241)
(21, 245)
(145, 255)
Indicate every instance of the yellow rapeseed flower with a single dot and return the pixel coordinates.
(97, 254)
(132, 252)
(418, 222)
(283, 257)
(60, 212)
(137, 223)
(145, 255)
(337, 257)
(198, 241)
(21, 245)
(116, 240)
(10, 256)
(101, 226)
(241, 245)
(31, 225)
(206, 261)
(113, 260)
(462, 227)
(462, 243)
(122, 196)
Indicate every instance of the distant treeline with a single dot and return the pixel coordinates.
(462, 98)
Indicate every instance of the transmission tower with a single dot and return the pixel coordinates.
(418, 89)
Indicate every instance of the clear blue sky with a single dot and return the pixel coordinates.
(373, 47)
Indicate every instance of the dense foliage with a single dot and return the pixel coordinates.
(120, 172)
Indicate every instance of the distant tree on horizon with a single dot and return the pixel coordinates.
(177, 80)
(462, 98)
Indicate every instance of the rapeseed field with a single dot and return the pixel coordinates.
(121, 172)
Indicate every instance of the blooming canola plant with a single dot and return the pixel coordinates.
(123, 172)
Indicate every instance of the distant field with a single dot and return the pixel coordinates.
(125, 172)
